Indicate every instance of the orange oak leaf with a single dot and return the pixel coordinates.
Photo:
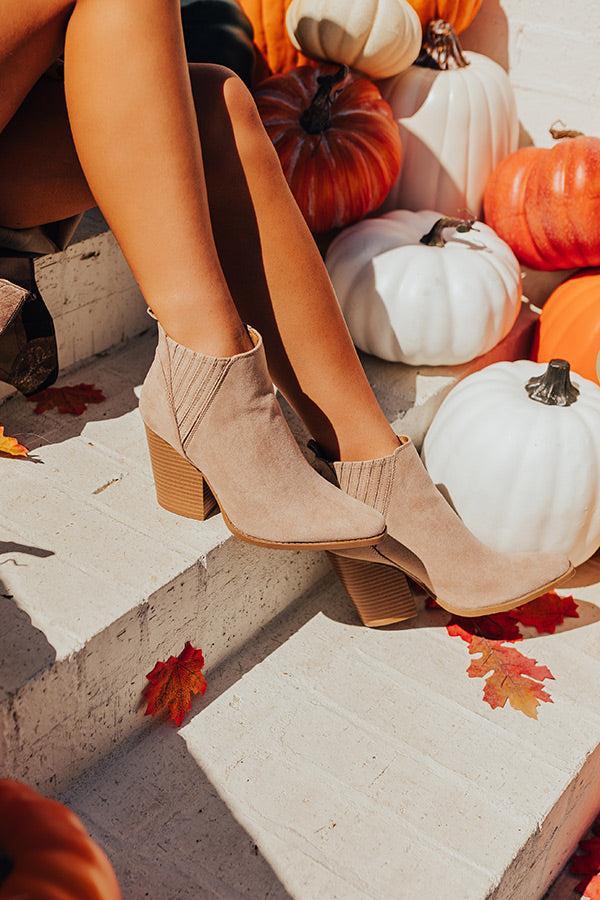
(496, 627)
(173, 683)
(70, 399)
(546, 612)
(10, 445)
(586, 862)
(509, 676)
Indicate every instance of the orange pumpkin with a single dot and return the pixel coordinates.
(544, 204)
(460, 13)
(337, 140)
(569, 326)
(46, 852)
(270, 34)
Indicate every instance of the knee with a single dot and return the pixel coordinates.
(218, 82)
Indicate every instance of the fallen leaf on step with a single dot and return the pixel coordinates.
(509, 676)
(10, 445)
(586, 862)
(496, 627)
(545, 613)
(71, 399)
(173, 683)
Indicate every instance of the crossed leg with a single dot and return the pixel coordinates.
(188, 180)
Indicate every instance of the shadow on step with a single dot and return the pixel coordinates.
(24, 649)
(167, 830)
(116, 373)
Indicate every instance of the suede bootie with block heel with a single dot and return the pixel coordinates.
(217, 437)
(427, 541)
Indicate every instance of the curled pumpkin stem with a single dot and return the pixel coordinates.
(558, 130)
(554, 387)
(441, 48)
(435, 237)
(317, 117)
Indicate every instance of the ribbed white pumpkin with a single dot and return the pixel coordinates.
(456, 125)
(379, 37)
(522, 474)
(408, 302)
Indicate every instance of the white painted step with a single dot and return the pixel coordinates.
(332, 761)
(97, 582)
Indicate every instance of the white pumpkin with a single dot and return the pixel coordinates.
(439, 304)
(523, 474)
(379, 37)
(456, 125)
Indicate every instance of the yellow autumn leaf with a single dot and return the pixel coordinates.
(10, 445)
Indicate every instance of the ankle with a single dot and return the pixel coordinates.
(217, 342)
(354, 448)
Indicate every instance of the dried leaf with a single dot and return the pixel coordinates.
(70, 399)
(509, 676)
(10, 445)
(545, 613)
(173, 684)
(496, 627)
(587, 863)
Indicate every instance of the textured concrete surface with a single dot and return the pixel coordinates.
(332, 761)
(97, 582)
(550, 49)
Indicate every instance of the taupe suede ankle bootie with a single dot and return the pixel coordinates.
(428, 541)
(217, 435)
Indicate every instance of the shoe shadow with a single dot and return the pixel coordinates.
(336, 606)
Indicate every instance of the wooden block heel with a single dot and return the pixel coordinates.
(380, 593)
(180, 487)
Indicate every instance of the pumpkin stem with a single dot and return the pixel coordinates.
(435, 237)
(554, 387)
(441, 48)
(558, 130)
(317, 117)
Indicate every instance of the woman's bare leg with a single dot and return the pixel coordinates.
(146, 177)
(134, 127)
(277, 276)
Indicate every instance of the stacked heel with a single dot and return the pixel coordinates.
(180, 487)
(380, 593)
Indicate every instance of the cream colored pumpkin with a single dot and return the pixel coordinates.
(408, 302)
(379, 37)
(456, 125)
(523, 474)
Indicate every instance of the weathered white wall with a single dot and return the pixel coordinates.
(552, 50)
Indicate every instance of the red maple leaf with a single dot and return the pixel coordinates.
(545, 613)
(509, 676)
(72, 399)
(496, 627)
(173, 683)
(586, 861)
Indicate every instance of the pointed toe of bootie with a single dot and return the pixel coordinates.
(427, 541)
(219, 440)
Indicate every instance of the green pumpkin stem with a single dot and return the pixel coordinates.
(317, 117)
(441, 48)
(435, 237)
(558, 130)
(554, 387)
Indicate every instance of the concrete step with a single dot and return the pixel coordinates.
(98, 582)
(332, 761)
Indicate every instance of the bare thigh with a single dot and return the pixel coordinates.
(40, 176)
